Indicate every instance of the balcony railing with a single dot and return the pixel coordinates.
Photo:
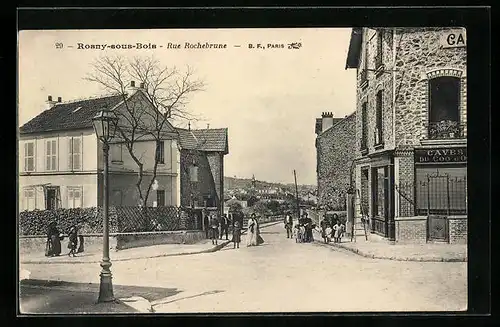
(446, 129)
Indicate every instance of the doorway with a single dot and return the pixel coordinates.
(51, 199)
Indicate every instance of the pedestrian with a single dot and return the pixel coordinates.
(72, 241)
(53, 247)
(206, 224)
(259, 238)
(251, 238)
(288, 225)
(214, 229)
(80, 244)
(224, 226)
(236, 234)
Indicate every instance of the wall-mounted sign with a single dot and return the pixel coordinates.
(441, 155)
(453, 38)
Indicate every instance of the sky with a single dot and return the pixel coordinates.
(268, 98)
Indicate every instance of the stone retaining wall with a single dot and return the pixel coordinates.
(93, 242)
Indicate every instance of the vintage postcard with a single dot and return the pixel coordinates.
(242, 170)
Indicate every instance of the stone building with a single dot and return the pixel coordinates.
(411, 145)
(335, 141)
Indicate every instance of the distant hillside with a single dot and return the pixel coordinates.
(234, 183)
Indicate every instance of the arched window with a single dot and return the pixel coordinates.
(444, 107)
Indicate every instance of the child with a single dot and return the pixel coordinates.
(302, 233)
(236, 234)
(328, 234)
(296, 232)
(338, 231)
(73, 239)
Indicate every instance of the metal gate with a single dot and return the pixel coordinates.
(437, 228)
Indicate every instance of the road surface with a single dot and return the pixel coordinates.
(281, 276)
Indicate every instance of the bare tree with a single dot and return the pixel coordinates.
(167, 91)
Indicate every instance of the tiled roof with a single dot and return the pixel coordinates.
(65, 116)
(214, 139)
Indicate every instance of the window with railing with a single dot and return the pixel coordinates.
(444, 108)
(364, 127)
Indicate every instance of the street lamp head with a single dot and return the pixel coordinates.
(105, 125)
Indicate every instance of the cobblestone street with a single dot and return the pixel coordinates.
(281, 276)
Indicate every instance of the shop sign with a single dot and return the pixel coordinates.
(453, 38)
(441, 155)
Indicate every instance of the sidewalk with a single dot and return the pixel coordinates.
(154, 251)
(430, 252)
(46, 297)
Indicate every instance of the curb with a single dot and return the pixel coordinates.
(210, 250)
(373, 256)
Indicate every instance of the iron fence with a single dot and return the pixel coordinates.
(435, 194)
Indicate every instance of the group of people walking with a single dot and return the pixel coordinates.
(54, 238)
(216, 228)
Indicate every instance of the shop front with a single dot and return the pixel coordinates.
(377, 193)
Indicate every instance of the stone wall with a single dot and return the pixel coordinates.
(334, 158)
(418, 53)
(457, 229)
(411, 229)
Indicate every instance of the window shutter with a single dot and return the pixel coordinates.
(76, 153)
(70, 159)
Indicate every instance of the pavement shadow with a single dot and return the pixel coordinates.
(167, 301)
(120, 291)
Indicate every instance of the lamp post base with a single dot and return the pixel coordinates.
(106, 285)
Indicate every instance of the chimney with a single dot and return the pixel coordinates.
(50, 103)
(59, 99)
(132, 83)
(326, 121)
(141, 85)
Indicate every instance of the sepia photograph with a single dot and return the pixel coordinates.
(242, 170)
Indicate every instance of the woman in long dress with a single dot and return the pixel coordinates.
(53, 241)
(258, 238)
(251, 238)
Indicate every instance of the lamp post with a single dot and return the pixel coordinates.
(104, 126)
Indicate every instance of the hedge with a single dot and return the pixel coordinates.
(89, 220)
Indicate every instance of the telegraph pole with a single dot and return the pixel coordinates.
(296, 193)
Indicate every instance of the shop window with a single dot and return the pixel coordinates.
(444, 108)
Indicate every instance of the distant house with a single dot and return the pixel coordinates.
(61, 160)
(335, 141)
(228, 203)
